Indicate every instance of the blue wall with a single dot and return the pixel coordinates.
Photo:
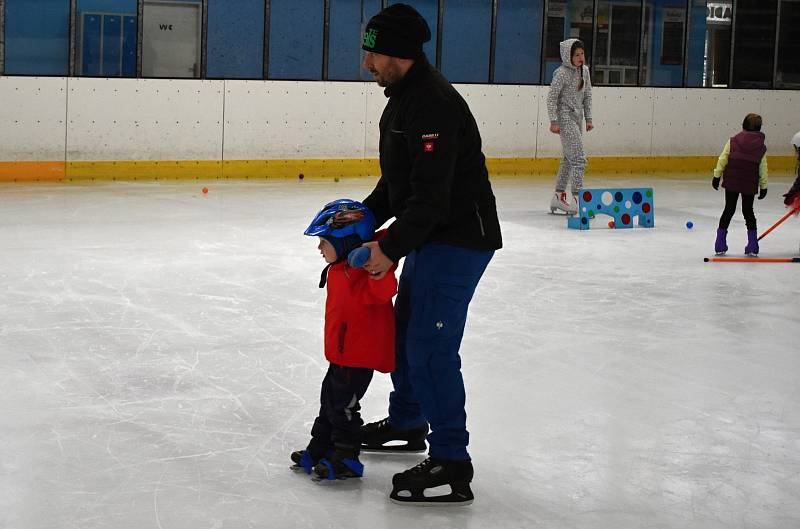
(518, 43)
(37, 37)
(466, 38)
(662, 74)
(295, 39)
(235, 47)
(348, 18)
(429, 9)
(696, 49)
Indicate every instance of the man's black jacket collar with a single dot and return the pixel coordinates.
(420, 66)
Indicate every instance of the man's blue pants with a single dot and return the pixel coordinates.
(434, 292)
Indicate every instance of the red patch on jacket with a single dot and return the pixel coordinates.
(429, 141)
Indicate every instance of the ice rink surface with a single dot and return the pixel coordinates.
(161, 356)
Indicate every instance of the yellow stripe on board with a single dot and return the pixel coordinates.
(145, 170)
(544, 168)
(332, 168)
(31, 171)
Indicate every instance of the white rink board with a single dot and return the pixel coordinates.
(144, 119)
(374, 105)
(781, 113)
(698, 122)
(506, 116)
(88, 119)
(267, 120)
(32, 118)
(623, 122)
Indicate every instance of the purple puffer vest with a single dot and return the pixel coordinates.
(741, 173)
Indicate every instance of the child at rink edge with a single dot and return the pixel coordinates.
(742, 167)
(359, 338)
(568, 103)
(792, 197)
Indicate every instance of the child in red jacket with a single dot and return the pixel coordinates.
(359, 338)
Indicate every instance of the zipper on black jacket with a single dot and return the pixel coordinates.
(342, 333)
(480, 220)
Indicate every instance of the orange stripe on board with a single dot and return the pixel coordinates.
(32, 171)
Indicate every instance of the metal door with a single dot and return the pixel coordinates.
(171, 36)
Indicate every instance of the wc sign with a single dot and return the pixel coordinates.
(718, 13)
(165, 27)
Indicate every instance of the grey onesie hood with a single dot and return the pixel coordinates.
(564, 98)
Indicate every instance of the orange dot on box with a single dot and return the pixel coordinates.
(205, 190)
(611, 224)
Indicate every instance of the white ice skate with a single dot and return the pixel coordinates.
(562, 203)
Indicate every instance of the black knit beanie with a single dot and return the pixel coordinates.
(398, 31)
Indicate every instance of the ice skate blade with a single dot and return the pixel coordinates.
(460, 495)
(394, 450)
(719, 254)
(325, 481)
(407, 448)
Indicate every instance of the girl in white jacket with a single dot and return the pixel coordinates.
(568, 104)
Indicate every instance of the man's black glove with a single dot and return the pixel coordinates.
(715, 182)
(762, 193)
(789, 198)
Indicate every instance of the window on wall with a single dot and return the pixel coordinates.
(171, 38)
(466, 38)
(465, 47)
(616, 57)
(518, 42)
(663, 44)
(235, 39)
(754, 44)
(106, 35)
(565, 19)
(788, 71)
(295, 39)
(700, 53)
(37, 37)
(348, 20)
(429, 9)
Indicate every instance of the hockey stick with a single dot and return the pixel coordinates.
(792, 211)
(751, 259)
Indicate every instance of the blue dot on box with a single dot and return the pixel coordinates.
(618, 196)
(637, 197)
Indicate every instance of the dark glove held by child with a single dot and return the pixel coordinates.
(762, 193)
(715, 182)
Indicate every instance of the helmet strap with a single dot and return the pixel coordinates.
(323, 278)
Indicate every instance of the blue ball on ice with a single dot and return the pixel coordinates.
(689, 225)
(358, 257)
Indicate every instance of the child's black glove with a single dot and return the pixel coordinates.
(762, 193)
(715, 182)
(789, 198)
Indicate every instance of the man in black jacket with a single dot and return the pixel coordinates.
(435, 184)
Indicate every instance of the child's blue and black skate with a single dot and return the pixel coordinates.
(303, 461)
(340, 465)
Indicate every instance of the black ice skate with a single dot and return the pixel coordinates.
(409, 487)
(342, 464)
(382, 437)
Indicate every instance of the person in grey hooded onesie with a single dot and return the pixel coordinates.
(568, 104)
